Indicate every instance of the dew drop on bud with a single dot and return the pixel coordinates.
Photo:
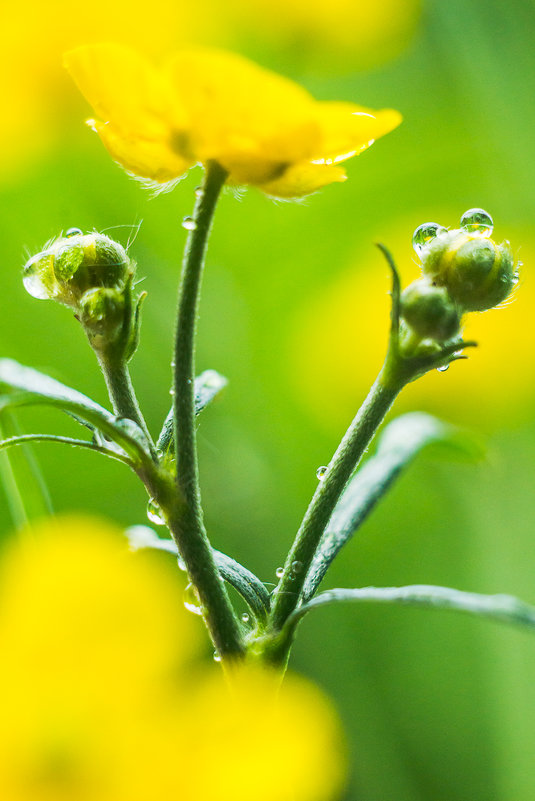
(245, 617)
(191, 600)
(73, 232)
(297, 567)
(155, 514)
(189, 224)
(424, 234)
(279, 572)
(477, 221)
(321, 472)
(31, 278)
(198, 191)
(443, 368)
(217, 657)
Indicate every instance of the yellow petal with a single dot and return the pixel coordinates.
(239, 111)
(132, 100)
(122, 86)
(153, 159)
(86, 611)
(348, 129)
(302, 179)
(298, 728)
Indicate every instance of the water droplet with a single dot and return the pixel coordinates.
(198, 191)
(181, 564)
(155, 514)
(477, 221)
(279, 572)
(73, 232)
(321, 472)
(217, 657)
(189, 224)
(443, 368)
(425, 234)
(32, 277)
(172, 391)
(297, 567)
(191, 600)
(245, 617)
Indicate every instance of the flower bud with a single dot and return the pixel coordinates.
(102, 314)
(429, 311)
(72, 265)
(93, 275)
(478, 273)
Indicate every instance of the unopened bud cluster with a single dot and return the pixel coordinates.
(464, 270)
(92, 275)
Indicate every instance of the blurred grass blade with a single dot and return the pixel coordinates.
(24, 485)
(38, 389)
(244, 582)
(504, 608)
(207, 386)
(401, 441)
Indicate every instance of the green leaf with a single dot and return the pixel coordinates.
(24, 439)
(207, 386)
(401, 441)
(244, 582)
(504, 608)
(33, 388)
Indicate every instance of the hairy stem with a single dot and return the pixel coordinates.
(186, 523)
(342, 465)
(123, 396)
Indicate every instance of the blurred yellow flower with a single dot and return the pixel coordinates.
(496, 385)
(207, 105)
(102, 700)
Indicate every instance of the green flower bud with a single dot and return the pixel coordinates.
(93, 275)
(429, 311)
(72, 265)
(478, 273)
(102, 314)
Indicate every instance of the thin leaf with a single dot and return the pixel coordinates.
(207, 386)
(401, 441)
(34, 388)
(244, 582)
(504, 608)
(23, 439)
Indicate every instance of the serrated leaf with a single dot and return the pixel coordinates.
(401, 441)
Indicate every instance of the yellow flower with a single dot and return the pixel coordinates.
(207, 105)
(103, 697)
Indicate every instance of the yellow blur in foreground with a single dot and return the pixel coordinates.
(209, 105)
(332, 374)
(102, 701)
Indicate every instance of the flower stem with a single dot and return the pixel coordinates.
(123, 396)
(188, 527)
(342, 465)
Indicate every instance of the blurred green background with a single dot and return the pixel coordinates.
(437, 707)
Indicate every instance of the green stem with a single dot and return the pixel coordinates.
(123, 396)
(342, 465)
(187, 526)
